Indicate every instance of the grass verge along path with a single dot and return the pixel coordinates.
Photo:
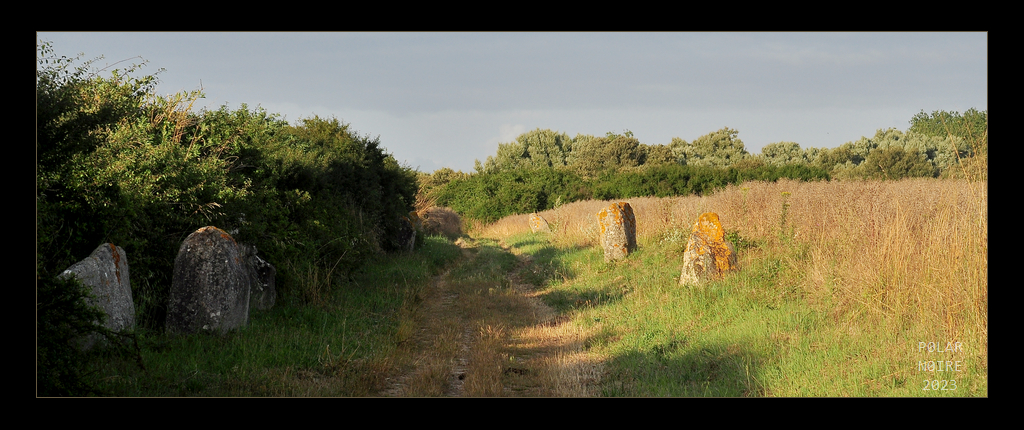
(479, 329)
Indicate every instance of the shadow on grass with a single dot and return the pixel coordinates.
(647, 363)
(676, 368)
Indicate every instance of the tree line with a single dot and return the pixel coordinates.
(931, 146)
(543, 168)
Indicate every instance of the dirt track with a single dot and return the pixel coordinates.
(477, 337)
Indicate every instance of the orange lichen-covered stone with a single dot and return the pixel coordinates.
(538, 223)
(618, 231)
(415, 220)
(708, 255)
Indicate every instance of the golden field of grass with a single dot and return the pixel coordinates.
(889, 264)
(916, 248)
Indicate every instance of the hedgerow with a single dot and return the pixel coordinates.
(117, 163)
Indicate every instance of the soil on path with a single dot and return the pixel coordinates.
(477, 333)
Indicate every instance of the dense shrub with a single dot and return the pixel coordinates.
(62, 317)
(489, 196)
(118, 164)
(897, 163)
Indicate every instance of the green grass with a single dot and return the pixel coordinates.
(341, 349)
(750, 334)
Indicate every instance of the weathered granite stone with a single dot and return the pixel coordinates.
(262, 276)
(210, 287)
(106, 272)
(708, 255)
(618, 231)
(539, 224)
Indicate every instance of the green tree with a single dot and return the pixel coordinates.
(591, 155)
(971, 126)
(897, 163)
(828, 158)
(781, 153)
(532, 150)
(717, 149)
(657, 155)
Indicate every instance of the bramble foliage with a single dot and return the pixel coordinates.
(141, 176)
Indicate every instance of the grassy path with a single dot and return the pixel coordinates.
(481, 330)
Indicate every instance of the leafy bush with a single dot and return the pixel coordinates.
(118, 164)
(897, 163)
(63, 316)
(489, 196)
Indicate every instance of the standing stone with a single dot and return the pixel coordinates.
(210, 286)
(708, 255)
(106, 272)
(618, 231)
(417, 222)
(539, 224)
(406, 234)
(262, 276)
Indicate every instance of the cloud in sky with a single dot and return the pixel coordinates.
(445, 99)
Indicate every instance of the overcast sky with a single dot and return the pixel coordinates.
(445, 99)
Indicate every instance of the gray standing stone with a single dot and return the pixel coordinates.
(106, 272)
(210, 287)
(406, 234)
(261, 279)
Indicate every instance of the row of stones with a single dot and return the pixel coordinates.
(215, 281)
(708, 255)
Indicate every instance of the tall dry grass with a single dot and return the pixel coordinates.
(906, 253)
